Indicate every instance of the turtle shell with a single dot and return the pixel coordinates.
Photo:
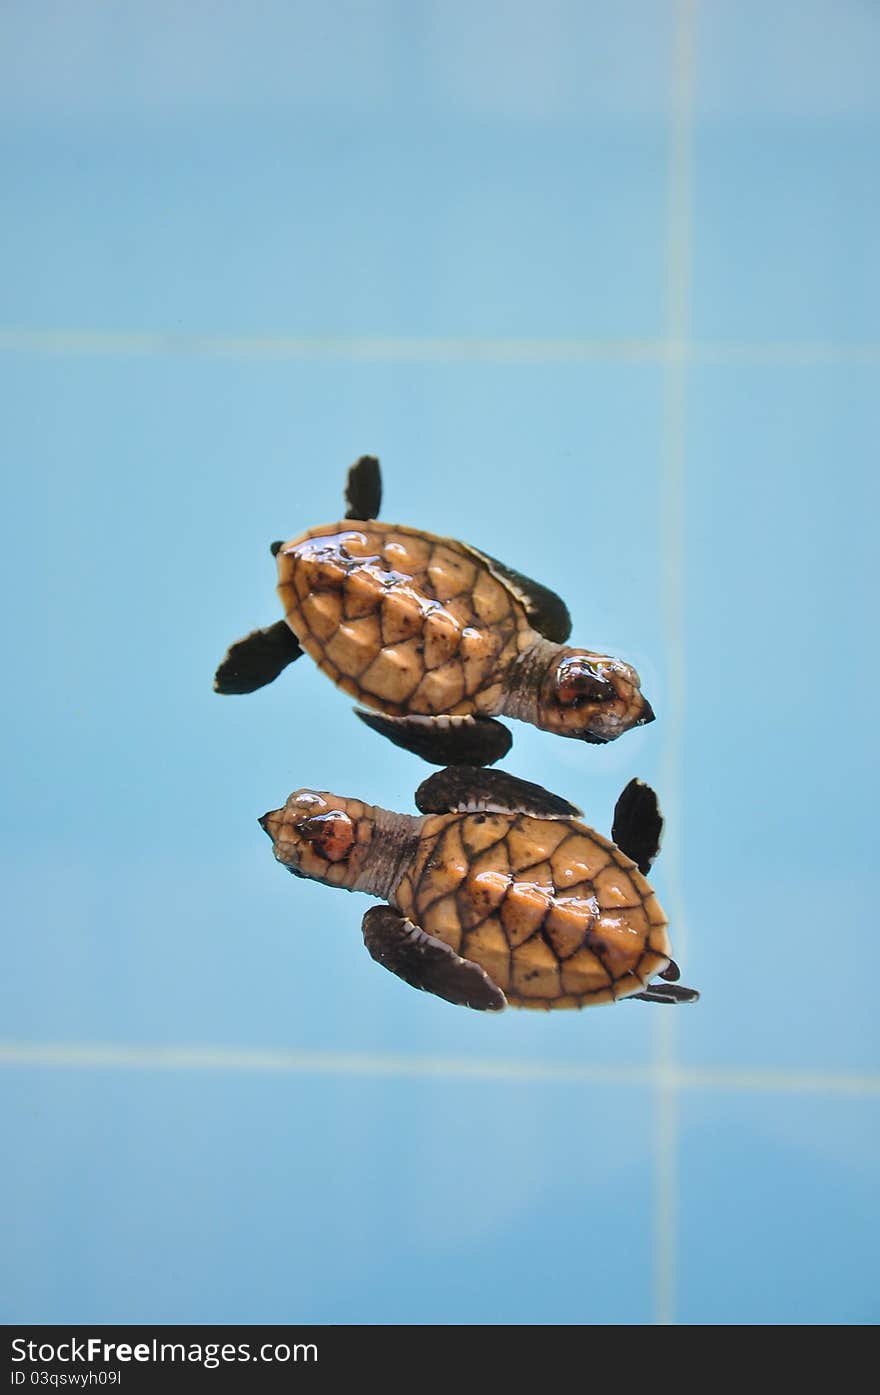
(407, 622)
(557, 915)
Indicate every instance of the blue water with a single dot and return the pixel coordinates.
(242, 246)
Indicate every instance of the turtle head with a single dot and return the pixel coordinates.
(591, 696)
(319, 835)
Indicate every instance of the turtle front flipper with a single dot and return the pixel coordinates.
(257, 659)
(427, 963)
(464, 789)
(666, 993)
(638, 824)
(547, 613)
(363, 490)
(444, 740)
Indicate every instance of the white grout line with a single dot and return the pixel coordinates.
(83, 343)
(666, 1104)
(678, 295)
(379, 349)
(372, 1065)
(806, 351)
(665, 1079)
(783, 1082)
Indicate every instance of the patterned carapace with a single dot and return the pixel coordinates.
(398, 618)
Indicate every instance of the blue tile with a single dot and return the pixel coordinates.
(380, 175)
(486, 56)
(781, 750)
(786, 210)
(197, 1198)
(799, 59)
(778, 1212)
(233, 229)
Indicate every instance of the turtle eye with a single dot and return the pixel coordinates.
(331, 835)
(577, 682)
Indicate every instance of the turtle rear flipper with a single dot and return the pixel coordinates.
(468, 740)
(257, 659)
(638, 824)
(465, 789)
(667, 993)
(363, 490)
(428, 963)
(547, 613)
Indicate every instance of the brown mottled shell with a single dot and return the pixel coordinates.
(557, 915)
(404, 621)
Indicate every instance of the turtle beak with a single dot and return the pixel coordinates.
(647, 715)
(271, 823)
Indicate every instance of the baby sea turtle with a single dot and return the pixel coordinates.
(498, 895)
(435, 635)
